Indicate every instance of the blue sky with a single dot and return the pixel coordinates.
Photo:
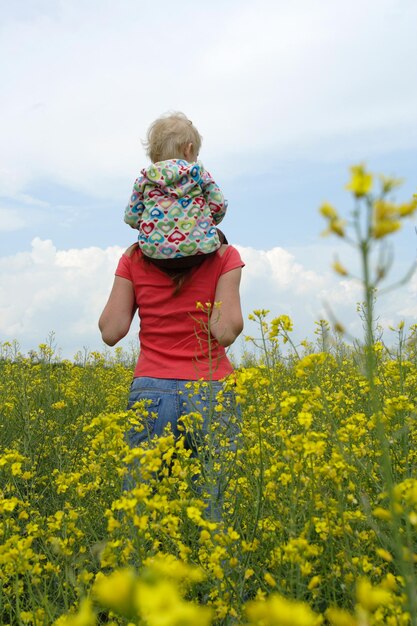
(286, 95)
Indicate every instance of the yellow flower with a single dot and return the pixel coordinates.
(61, 404)
(309, 362)
(327, 210)
(407, 208)
(279, 611)
(386, 214)
(305, 418)
(16, 469)
(278, 324)
(116, 591)
(384, 554)
(361, 181)
(340, 617)
(84, 617)
(258, 313)
(161, 604)
(269, 579)
(413, 518)
(335, 224)
(168, 566)
(314, 582)
(383, 228)
(339, 268)
(370, 598)
(389, 582)
(337, 227)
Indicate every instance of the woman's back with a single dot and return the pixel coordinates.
(174, 336)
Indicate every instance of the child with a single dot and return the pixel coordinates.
(175, 204)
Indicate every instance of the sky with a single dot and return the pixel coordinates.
(287, 96)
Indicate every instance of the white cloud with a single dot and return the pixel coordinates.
(282, 269)
(84, 80)
(64, 291)
(275, 280)
(266, 83)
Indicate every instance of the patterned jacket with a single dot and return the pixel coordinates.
(176, 205)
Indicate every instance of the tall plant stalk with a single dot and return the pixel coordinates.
(379, 218)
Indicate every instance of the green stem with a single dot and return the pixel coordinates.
(259, 503)
(375, 409)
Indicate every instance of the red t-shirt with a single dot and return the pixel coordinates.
(173, 335)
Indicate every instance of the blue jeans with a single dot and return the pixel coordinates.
(170, 399)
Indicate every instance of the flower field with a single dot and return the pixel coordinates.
(309, 513)
(318, 521)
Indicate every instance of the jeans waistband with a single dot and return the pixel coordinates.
(173, 385)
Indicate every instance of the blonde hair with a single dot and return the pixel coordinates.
(169, 135)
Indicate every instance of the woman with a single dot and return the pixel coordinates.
(187, 318)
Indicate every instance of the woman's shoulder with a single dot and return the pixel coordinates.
(131, 250)
(229, 257)
(227, 248)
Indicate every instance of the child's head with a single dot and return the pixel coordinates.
(172, 136)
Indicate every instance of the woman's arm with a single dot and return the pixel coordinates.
(118, 313)
(226, 322)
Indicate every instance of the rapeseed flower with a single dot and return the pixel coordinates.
(279, 611)
(302, 490)
(339, 268)
(85, 616)
(361, 181)
(370, 597)
(335, 225)
(116, 591)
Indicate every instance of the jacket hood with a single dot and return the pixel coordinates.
(175, 177)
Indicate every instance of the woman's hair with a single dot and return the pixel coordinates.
(169, 135)
(178, 276)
